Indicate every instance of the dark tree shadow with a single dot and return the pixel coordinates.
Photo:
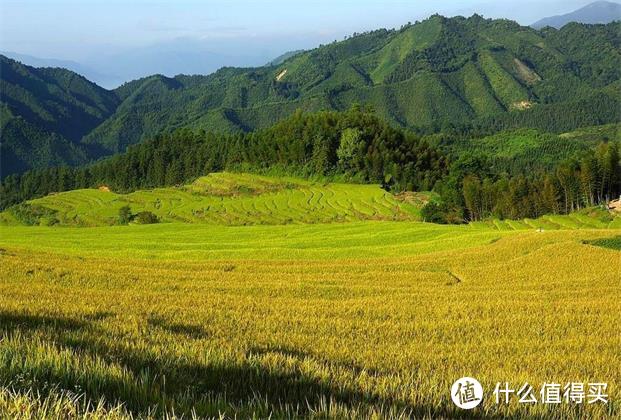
(174, 383)
(610, 243)
(188, 330)
(27, 322)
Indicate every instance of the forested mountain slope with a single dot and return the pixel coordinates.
(434, 73)
(437, 75)
(45, 113)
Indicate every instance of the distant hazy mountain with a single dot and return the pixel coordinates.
(190, 56)
(180, 56)
(111, 66)
(171, 58)
(105, 80)
(598, 12)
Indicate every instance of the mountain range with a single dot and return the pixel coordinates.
(438, 73)
(597, 12)
(110, 66)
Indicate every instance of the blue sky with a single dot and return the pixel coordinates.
(71, 29)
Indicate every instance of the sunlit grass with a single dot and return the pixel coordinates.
(231, 199)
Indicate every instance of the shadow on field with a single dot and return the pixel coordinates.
(166, 382)
(610, 243)
(191, 331)
(27, 323)
(280, 350)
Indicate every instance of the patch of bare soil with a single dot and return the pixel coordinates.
(281, 75)
(522, 105)
(615, 206)
(414, 198)
(526, 73)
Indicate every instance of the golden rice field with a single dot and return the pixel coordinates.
(350, 320)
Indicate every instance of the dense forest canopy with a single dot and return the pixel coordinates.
(466, 76)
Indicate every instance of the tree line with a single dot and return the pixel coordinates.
(470, 193)
(354, 145)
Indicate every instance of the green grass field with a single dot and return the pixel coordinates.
(365, 319)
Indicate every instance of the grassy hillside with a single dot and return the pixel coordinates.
(343, 320)
(584, 219)
(226, 199)
(606, 132)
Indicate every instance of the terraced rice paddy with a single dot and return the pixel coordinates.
(367, 319)
(556, 222)
(235, 199)
(228, 199)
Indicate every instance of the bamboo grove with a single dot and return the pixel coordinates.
(586, 181)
